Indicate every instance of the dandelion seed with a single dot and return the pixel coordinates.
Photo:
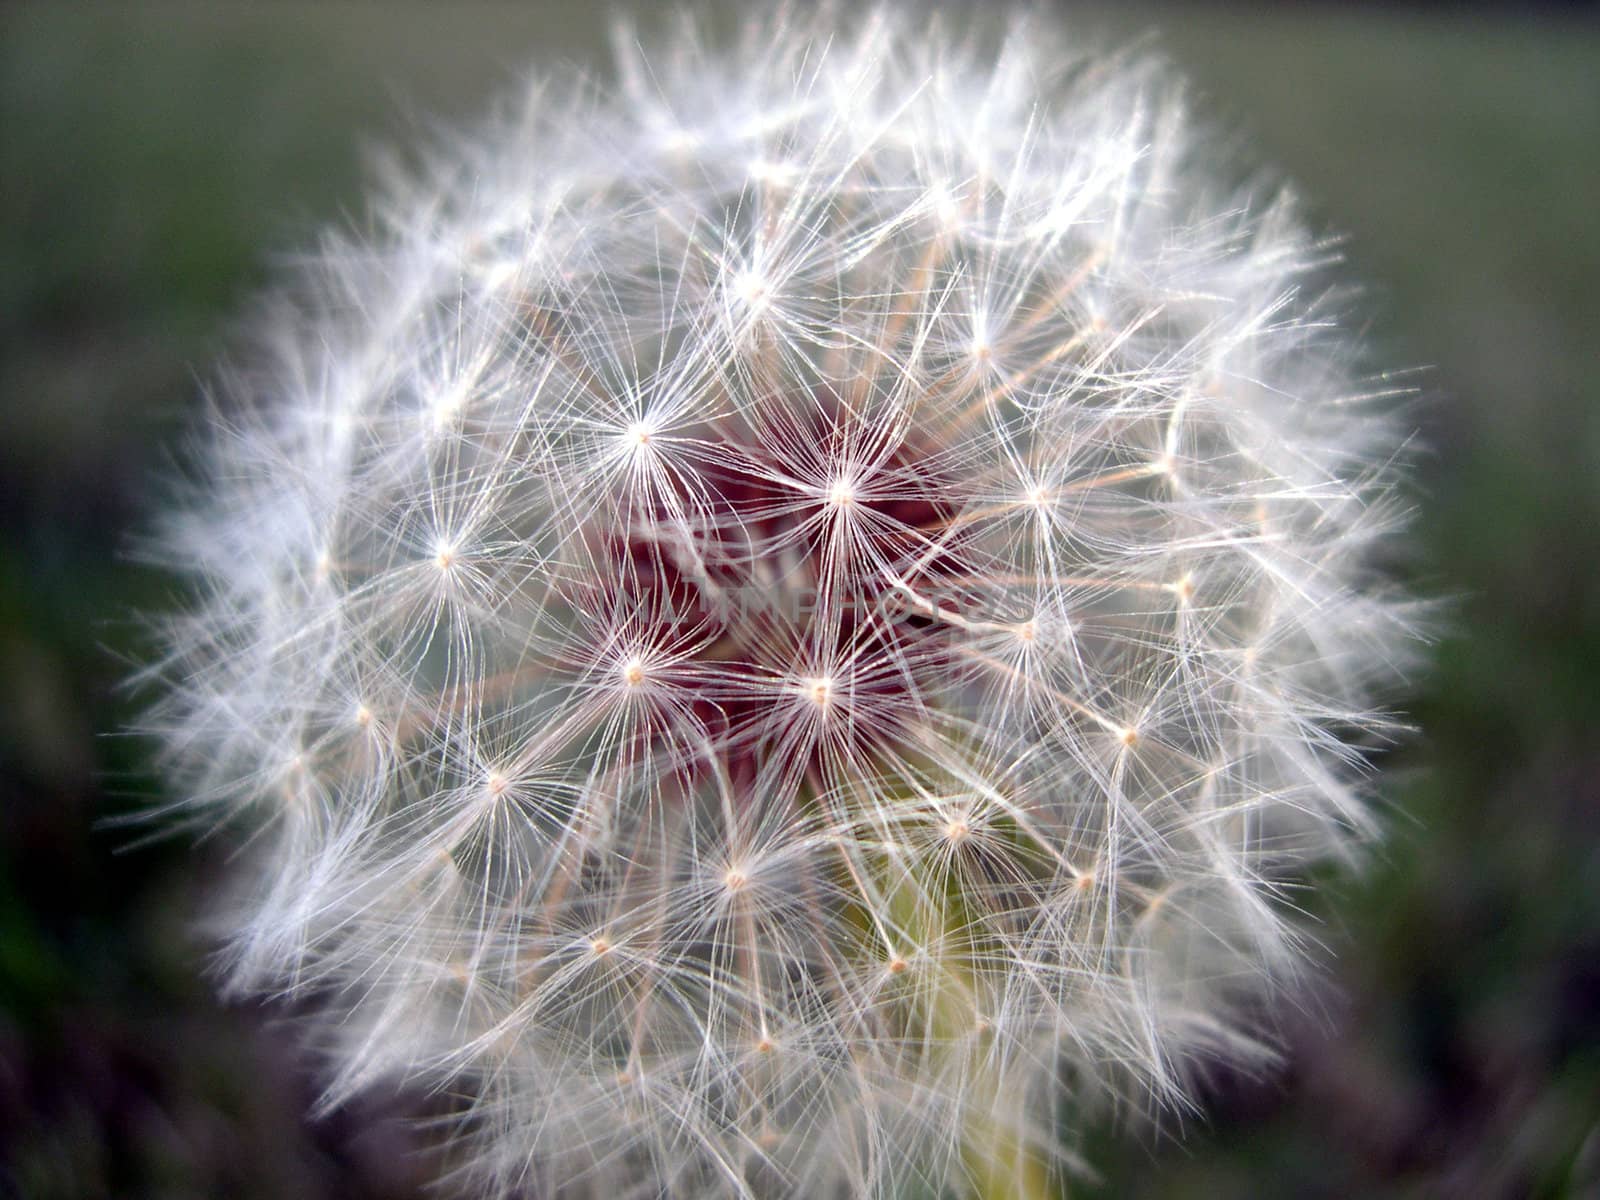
(750, 286)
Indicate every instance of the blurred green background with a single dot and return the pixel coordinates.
(153, 160)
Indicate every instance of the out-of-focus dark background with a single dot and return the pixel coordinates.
(154, 159)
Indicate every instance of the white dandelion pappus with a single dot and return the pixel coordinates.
(780, 629)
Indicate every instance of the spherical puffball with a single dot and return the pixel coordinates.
(779, 627)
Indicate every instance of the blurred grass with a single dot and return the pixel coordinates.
(153, 159)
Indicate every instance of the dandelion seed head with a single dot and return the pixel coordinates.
(763, 620)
